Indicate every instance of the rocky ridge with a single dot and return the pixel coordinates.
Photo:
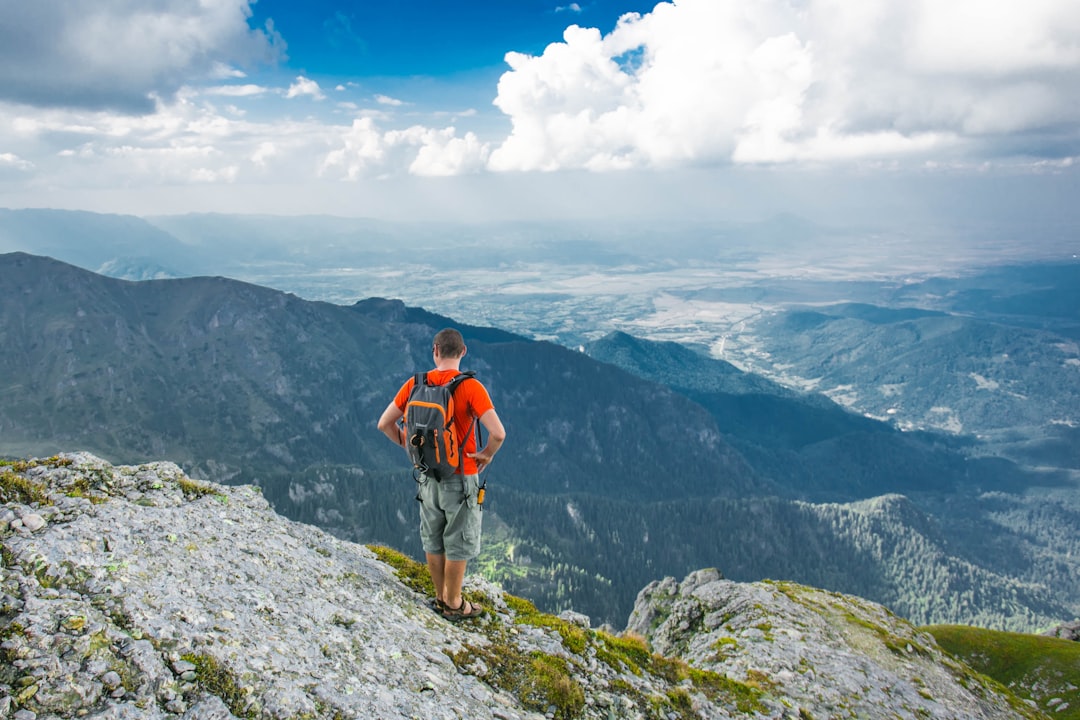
(137, 592)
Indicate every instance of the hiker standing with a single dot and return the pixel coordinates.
(449, 507)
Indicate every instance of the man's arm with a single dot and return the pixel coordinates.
(496, 434)
(388, 424)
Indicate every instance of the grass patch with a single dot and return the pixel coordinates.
(1043, 669)
(538, 680)
(525, 613)
(629, 651)
(15, 488)
(193, 489)
(19, 466)
(632, 653)
(414, 574)
(218, 680)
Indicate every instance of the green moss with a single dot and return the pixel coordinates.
(414, 574)
(525, 613)
(549, 678)
(724, 647)
(628, 652)
(766, 629)
(193, 489)
(82, 488)
(19, 466)
(216, 679)
(745, 697)
(680, 701)
(18, 489)
(538, 680)
(7, 667)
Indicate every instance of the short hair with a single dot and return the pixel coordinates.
(450, 343)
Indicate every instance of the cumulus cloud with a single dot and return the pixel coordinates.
(183, 142)
(305, 86)
(113, 54)
(693, 83)
(771, 82)
(366, 151)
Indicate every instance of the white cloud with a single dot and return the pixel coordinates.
(693, 84)
(248, 90)
(367, 151)
(305, 86)
(221, 71)
(11, 160)
(826, 80)
(442, 153)
(115, 54)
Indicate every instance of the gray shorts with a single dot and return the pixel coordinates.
(450, 516)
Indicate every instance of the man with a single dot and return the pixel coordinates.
(449, 510)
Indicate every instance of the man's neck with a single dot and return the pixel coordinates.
(448, 364)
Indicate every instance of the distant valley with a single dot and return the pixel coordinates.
(965, 521)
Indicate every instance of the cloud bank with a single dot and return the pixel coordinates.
(128, 94)
(768, 81)
(119, 55)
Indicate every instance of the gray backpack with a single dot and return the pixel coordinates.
(430, 437)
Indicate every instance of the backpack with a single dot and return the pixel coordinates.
(430, 436)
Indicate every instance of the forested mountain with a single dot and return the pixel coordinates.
(992, 354)
(608, 479)
(816, 449)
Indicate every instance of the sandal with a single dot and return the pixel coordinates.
(460, 613)
(437, 605)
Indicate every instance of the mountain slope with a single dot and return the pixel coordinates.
(984, 373)
(232, 377)
(734, 630)
(139, 592)
(1045, 670)
(607, 481)
(95, 241)
(805, 442)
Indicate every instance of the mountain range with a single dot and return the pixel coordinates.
(625, 463)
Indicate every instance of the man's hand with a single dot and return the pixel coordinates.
(496, 434)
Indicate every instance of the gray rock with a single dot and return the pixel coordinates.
(1066, 631)
(171, 598)
(33, 522)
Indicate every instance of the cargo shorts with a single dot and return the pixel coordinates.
(450, 516)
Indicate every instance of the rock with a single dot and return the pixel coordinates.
(33, 522)
(576, 618)
(1066, 631)
(172, 598)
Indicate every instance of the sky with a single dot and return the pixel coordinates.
(537, 109)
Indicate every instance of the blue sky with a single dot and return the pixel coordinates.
(527, 109)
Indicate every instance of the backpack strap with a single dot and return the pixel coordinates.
(451, 386)
(460, 378)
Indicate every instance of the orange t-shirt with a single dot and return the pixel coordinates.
(471, 400)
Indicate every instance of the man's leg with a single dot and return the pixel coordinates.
(453, 577)
(437, 566)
